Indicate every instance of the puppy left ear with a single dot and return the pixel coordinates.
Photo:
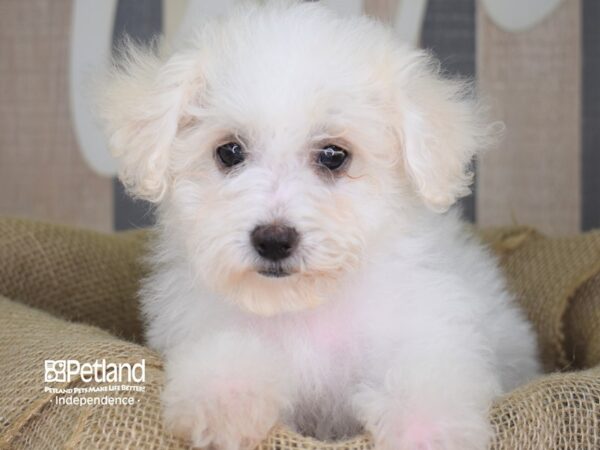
(142, 102)
(442, 129)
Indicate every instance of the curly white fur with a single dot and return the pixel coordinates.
(394, 319)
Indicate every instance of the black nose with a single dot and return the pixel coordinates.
(274, 242)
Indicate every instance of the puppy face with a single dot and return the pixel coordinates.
(283, 143)
(281, 191)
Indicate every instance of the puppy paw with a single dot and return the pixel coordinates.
(227, 414)
(423, 422)
(420, 432)
(226, 393)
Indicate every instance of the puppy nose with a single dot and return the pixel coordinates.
(274, 242)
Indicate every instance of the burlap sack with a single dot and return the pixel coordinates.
(582, 325)
(49, 267)
(30, 418)
(546, 273)
(79, 275)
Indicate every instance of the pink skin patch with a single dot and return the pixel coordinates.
(329, 329)
(418, 434)
(229, 389)
(329, 333)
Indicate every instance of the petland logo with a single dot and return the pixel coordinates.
(100, 371)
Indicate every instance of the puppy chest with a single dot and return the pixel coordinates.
(324, 356)
(321, 347)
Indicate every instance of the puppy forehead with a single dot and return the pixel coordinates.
(294, 68)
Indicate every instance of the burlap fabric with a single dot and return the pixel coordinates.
(90, 278)
(81, 275)
(583, 324)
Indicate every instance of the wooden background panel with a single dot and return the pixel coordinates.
(533, 81)
(42, 172)
(384, 10)
(590, 162)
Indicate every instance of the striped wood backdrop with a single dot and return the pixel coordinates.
(543, 82)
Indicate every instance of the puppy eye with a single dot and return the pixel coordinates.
(231, 154)
(332, 157)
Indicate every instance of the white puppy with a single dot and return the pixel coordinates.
(306, 270)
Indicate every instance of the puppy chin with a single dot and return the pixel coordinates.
(275, 271)
(269, 291)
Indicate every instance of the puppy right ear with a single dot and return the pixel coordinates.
(142, 100)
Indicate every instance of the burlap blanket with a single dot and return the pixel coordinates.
(73, 296)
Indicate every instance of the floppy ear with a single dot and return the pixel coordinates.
(442, 129)
(142, 101)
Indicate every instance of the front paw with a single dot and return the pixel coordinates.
(224, 413)
(422, 423)
(442, 433)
